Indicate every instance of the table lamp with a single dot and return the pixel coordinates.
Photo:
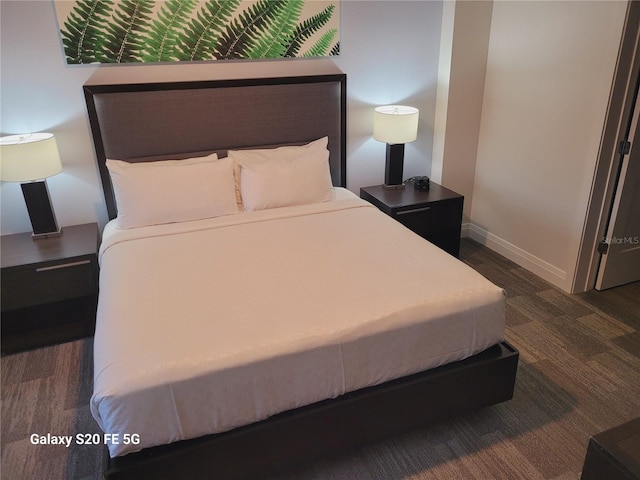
(395, 125)
(30, 159)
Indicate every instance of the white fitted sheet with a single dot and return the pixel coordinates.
(208, 325)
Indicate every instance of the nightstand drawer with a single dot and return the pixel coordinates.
(435, 214)
(48, 282)
(435, 218)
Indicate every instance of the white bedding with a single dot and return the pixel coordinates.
(207, 325)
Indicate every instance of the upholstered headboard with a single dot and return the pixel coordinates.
(144, 122)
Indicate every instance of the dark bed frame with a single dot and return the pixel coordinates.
(145, 122)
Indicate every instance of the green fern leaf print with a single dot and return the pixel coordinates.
(125, 35)
(306, 29)
(322, 46)
(125, 31)
(269, 43)
(82, 32)
(238, 38)
(199, 39)
(163, 33)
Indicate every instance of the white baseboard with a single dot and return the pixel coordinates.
(545, 270)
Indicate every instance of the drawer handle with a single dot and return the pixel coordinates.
(62, 265)
(415, 210)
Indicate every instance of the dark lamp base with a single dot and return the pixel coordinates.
(43, 219)
(394, 165)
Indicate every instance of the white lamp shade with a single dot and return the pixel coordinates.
(395, 124)
(28, 157)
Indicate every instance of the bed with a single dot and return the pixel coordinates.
(268, 318)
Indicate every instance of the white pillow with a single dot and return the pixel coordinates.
(284, 176)
(153, 193)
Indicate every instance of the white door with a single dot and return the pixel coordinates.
(621, 262)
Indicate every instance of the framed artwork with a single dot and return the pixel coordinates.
(133, 31)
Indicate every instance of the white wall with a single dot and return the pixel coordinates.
(549, 72)
(389, 53)
(464, 43)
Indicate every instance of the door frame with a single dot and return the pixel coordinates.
(605, 180)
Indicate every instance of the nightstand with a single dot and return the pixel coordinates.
(435, 215)
(614, 454)
(49, 287)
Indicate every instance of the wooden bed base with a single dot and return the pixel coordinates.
(143, 122)
(308, 434)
